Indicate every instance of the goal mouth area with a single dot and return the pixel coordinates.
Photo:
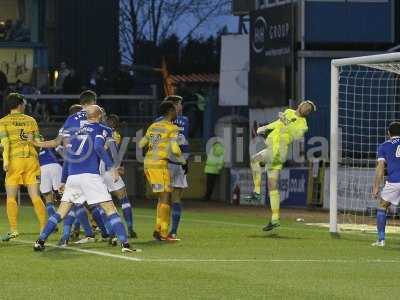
(364, 228)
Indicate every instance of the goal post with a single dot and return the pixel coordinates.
(364, 100)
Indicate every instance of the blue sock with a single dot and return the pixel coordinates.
(68, 221)
(176, 217)
(106, 222)
(381, 223)
(127, 212)
(82, 216)
(118, 227)
(50, 209)
(50, 226)
(99, 221)
(77, 225)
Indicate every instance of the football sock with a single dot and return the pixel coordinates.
(51, 210)
(82, 216)
(77, 225)
(176, 216)
(12, 213)
(274, 199)
(381, 223)
(68, 221)
(40, 211)
(50, 226)
(99, 221)
(106, 222)
(256, 171)
(165, 210)
(158, 218)
(118, 227)
(127, 212)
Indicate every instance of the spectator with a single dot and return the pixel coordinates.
(62, 74)
(72, 83)
(122, 81)
(3, 90)
(3, 82)
(99, 81)
(3, 31)
(214, 165)
(19, 32)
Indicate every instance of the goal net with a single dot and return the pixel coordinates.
(364, 100)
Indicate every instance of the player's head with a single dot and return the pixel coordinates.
(306, 107)
(177, 100)
(16, 102)
(74, 108)
(87, 98)
(94, 113)
(168, 110)
(113, 121)
(394, 129)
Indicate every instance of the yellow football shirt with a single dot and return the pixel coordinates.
(14, 130)
(161, 142)
(287, 128)
(116, 137)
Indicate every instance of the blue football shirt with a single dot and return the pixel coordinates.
(389, 151)
(87, 149)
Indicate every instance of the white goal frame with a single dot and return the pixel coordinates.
(334, 136)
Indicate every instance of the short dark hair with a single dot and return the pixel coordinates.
(13, 100)
(88, 97)
(394, 129)
(74, 108)
(166, 106)
(174, 98)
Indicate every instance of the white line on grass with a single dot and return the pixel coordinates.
(211, 260)
(84, 251)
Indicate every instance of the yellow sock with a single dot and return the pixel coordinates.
(165, 210)
(40, 211)
(158, 218)
(256, 170)
(275, 201)
(12, 213)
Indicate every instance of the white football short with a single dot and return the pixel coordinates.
(50, 177)
(111, 185)
(89, 188)
(391, 193)
(178, 176)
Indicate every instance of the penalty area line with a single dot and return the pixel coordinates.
(211, 260)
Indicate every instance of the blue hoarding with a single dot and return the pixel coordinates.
(293, 186)
(347, 21)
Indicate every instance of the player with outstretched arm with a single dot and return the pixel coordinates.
(291, 125)
(84, 183)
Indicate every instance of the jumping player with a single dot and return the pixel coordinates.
(291, 125)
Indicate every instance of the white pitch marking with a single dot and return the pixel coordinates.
(211, 260)
(85, 251)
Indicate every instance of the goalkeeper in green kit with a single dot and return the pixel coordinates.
(291, 125)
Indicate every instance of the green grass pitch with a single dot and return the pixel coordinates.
(223, 255)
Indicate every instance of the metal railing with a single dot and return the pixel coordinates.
(130, 108)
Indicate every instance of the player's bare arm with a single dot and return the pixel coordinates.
(45, 144)
(379, 174)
